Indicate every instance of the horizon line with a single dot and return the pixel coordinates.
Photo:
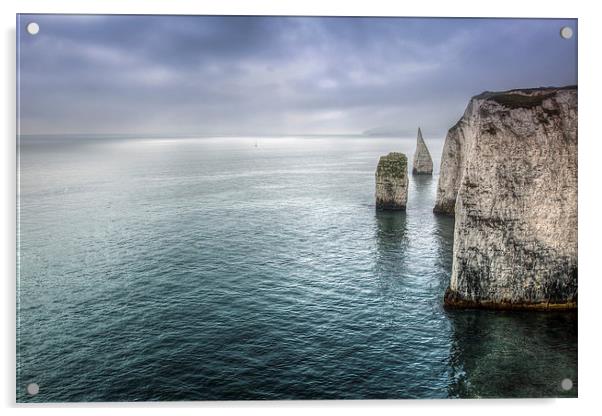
(204, 135)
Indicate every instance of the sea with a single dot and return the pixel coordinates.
(253, 268)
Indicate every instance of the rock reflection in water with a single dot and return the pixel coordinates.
(509, 354)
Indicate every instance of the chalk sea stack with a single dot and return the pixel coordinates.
(392, 182)
(423, 163)
(509, 174)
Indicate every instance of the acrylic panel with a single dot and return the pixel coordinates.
(273, 207)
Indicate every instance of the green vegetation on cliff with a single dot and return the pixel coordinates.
(394, 164)
(522, 98)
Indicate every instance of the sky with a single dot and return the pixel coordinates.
(252, 76)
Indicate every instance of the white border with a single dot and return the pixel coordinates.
(590, 202)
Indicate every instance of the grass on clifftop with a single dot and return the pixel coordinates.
(394, 164)
(521, 101)
(522, 98)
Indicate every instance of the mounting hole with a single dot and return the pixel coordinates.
(33, 389)
(566, 384)
(566, 32)
(33, 28)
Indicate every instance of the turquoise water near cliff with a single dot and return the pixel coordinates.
(202, 269)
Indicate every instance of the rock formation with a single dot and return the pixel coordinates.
(423, 163)
(392, 182)
(509, 173)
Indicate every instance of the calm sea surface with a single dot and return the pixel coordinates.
(204, 269)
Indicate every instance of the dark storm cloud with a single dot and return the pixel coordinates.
(274, 75)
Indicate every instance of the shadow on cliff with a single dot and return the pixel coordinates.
(512, 354)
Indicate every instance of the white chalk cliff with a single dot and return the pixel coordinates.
(423, 163)
(509, 174)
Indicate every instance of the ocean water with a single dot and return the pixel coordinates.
(214, 269)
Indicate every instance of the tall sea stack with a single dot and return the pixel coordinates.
(392, 182)
(509, 174)
(423, 163)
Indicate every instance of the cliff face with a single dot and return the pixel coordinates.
(509, 172)
(392, 182)
(423, 163)
(453, 160)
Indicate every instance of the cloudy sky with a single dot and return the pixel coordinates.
(275, 75)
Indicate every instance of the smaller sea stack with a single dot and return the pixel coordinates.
(392, 182)
(423, 163)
